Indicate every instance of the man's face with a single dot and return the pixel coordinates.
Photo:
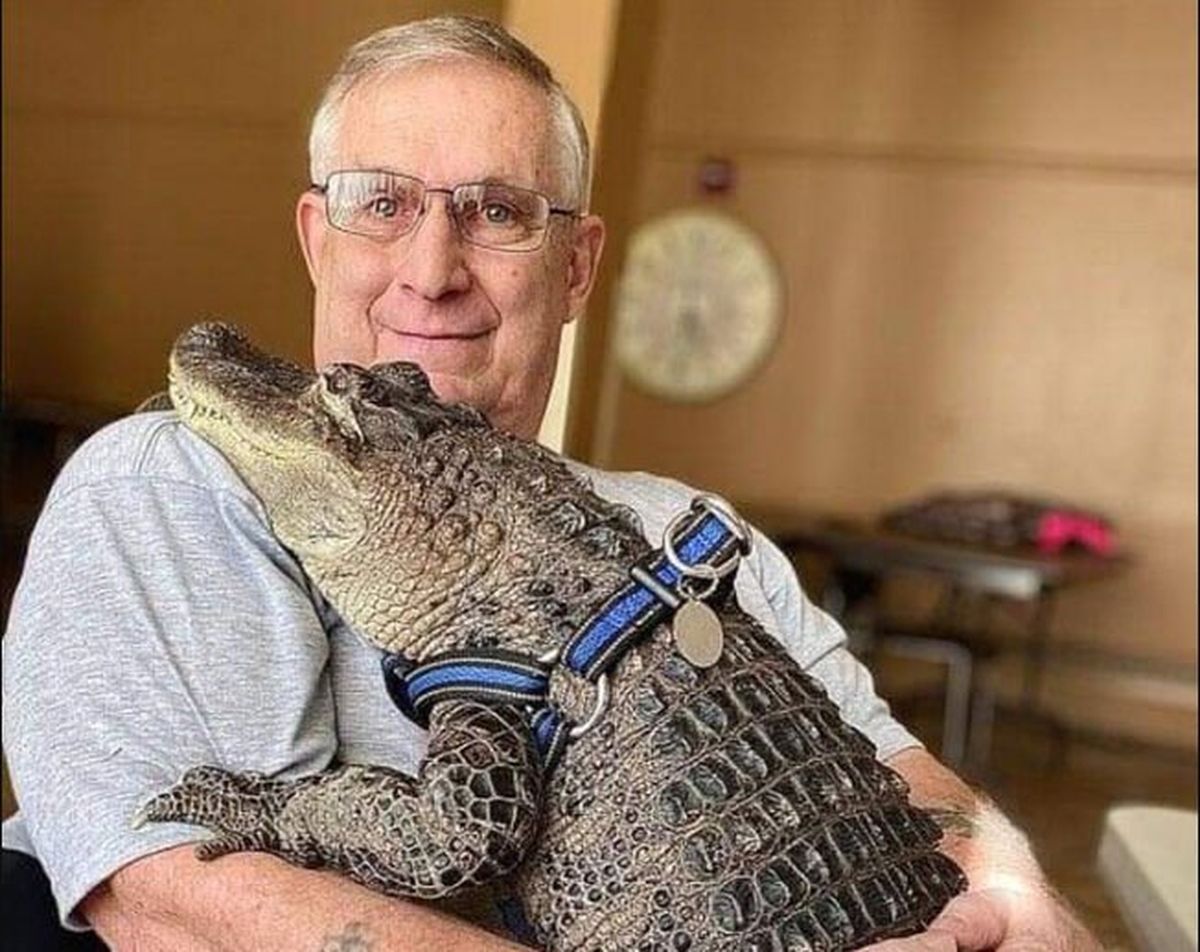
(483, 324)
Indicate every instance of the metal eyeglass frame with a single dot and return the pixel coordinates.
(427, 190)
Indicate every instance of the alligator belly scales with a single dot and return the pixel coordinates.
(728, 807)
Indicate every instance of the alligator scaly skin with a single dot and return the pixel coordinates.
(726, 808)
(737, 811)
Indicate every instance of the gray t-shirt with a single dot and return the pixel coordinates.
(159, 625)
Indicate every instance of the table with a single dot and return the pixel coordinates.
(862, 555)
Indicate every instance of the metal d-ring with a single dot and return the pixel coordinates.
(602, 696)
(728, 516)
(579, 730)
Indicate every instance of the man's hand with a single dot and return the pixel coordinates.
(1000, 919)
(1009, 906)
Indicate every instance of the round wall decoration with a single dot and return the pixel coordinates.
(698, 305)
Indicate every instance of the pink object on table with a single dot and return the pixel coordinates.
(1059, 528)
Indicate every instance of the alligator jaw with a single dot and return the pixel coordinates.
(230, 392)
(265, 416)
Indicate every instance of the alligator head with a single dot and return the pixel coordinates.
(424, 526)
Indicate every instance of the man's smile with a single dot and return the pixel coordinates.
(436, 351)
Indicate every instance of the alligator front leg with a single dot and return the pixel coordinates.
(468, 817)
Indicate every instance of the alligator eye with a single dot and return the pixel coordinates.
(336, 384)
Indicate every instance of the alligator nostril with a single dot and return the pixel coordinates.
(334, 381)
(338, 380)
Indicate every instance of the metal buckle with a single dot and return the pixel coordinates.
(737, 526)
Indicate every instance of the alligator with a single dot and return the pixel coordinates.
(625, 796)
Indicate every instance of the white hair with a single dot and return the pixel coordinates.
(437, 40)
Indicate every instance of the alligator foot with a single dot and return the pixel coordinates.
(468, 817)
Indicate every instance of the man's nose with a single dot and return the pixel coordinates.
(433, 263)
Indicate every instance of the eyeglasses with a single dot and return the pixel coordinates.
(386, 205)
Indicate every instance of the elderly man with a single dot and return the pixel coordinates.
(160, 625)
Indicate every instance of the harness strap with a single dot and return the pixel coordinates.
(485, 674)
(651, 596)
(493, 675)
(551, 731)
(656, 589)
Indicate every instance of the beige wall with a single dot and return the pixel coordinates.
(985, 214)
(579, 48)
(153, 152)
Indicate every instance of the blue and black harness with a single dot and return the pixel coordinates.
(705, 543)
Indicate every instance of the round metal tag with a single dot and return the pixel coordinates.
(698, 634)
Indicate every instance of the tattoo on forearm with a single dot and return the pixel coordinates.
(957, 821)
(352, 939)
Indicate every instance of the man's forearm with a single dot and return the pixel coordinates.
(250, 901)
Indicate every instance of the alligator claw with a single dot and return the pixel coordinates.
(220, 845)
(239, 808)
(155, 810)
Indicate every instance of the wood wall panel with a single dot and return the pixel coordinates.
(261, 61)
(1065, 78)
(985, 214)
(153, 152)
(112, 257)
(952, 321)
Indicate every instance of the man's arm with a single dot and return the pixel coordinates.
(1009, 904)
(157, 627)
(173, 901)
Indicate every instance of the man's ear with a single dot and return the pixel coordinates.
(585, 262)
(310, 229)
